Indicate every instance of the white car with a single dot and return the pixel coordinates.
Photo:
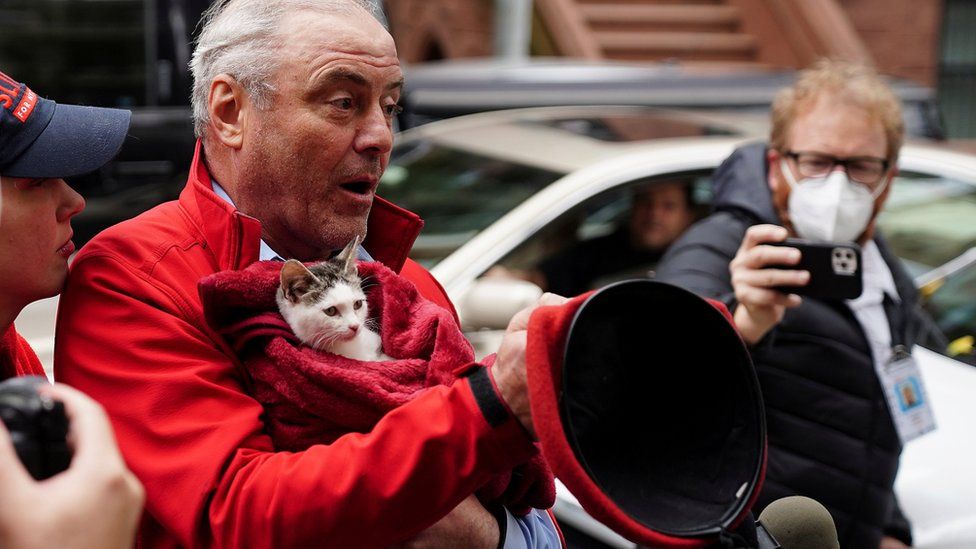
(508, 188)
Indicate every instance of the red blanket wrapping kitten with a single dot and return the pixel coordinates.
(400, 342)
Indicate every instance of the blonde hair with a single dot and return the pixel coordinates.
(848, 82)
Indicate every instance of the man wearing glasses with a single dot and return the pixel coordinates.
(824, 176)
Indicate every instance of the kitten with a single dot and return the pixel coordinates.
(326, 307)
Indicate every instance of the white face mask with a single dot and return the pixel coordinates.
(829, 208)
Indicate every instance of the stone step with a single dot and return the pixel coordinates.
(652, 2)
(661, 17)
(682, 45)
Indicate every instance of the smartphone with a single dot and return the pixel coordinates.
(835, 269)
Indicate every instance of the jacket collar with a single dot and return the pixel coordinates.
(741, 184)
(16, 356)
(235, 237)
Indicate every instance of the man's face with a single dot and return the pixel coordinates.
(659, 216)
(35, 237)
(311, 162)
(835, 128)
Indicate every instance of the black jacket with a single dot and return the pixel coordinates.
(831, 436)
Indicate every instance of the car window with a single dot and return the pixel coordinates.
(653, 125)
(596, 217)
(929, 220)
(951, 302)
(457, 193)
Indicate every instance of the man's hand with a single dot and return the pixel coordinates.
(508, 370)
(760, 306)
(468, 525)
(96, 503)
(889, 542)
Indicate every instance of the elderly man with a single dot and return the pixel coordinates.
(293, 104)
(824, 176)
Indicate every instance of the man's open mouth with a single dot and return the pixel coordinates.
(362, 187)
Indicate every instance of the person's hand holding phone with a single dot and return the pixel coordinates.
(754, 280)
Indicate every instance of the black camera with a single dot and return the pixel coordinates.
(38, 426)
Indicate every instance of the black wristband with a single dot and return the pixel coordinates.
(488, 400)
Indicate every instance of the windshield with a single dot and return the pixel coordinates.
(457, 193)
(928, 220)
(461, 177)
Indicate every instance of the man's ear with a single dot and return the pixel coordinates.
(295, 280)
(892, 174)
(883, 197)
(228, 105)
(879, 203)
(772, 168)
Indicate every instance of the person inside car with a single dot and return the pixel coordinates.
(823, 364)
(97, 501)
(658, 215)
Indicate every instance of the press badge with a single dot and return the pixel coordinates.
(907, 400)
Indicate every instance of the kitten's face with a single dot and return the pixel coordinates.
(324, 304)
(325, 316)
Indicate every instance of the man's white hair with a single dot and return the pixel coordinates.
(242, 38)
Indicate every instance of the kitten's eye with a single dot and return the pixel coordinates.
(332, 311)
(358, 304)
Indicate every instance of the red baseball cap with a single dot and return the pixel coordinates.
(648, 409)
(42, 139)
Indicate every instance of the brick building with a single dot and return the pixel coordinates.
(927, 41)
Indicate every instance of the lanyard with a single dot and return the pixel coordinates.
(897, 323)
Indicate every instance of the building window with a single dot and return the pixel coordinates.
(88, 52)
(957, 69)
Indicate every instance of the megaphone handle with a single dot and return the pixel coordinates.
(766, 539)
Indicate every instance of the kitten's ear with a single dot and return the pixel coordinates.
(295, 280)
(349, 254)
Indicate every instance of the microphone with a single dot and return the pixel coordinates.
(798, 522)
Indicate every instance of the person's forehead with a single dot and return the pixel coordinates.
(832, 125)
(312, 36)
(661, 191)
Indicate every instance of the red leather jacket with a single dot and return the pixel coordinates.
(131, 334)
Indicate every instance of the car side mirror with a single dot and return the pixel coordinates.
(491, 303)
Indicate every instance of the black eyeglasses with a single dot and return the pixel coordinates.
(867, 170)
